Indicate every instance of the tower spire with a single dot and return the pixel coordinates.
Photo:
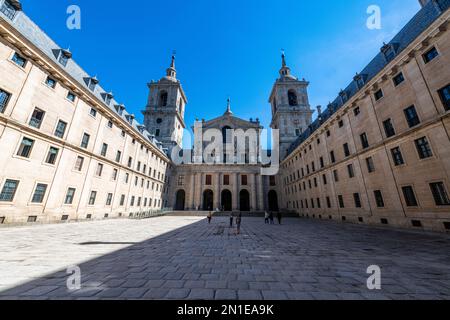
(171, 71)
(283, 58)
(285, 71)
(228, 107)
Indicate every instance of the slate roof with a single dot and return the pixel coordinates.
(25, 26)
(418, 24)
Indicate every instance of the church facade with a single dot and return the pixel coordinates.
(378, 154)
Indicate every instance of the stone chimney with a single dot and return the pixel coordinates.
(319, 110)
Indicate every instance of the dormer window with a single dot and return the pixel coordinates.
(92, 82)
(9, 8)
(130, 118)
(389, 52)
(344, 96)
(359, 79)
(120, 108)
(64, 57)
(108, 97)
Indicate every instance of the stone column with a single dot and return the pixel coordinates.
(260, 194)
(198, 188)
(253, 191)
(192, 192)
(217, 192)
(235, 192)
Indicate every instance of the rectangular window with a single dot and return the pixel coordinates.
(25, 148)
(60, 129)
(378, 95)
(411, 116)
(336, 176)
(118, 156)
(322, 164)
(50, 82)
(109, 199)
(114, 174)
(357, 199)
(444, 93)
(398, 79)
(423, 148)
(324, 178)
(39, 193)
(328, 202)
(122, 200)
(364, 141)
(104, 150)
(138, 166)
(92, 198)
(430, 55)
(397, 156)
(208, 181)
(244, 180)
(356, 111)
(132, 201)
(99, 170)
(110, 124)
(388, 128)
(346, 150)
(341, 202)
(52, 155)
(8, 9)
(341, 123)
(71, 96)
(130, 162)
(4, 99)
(69, 196)
(226, 180)
(440, 195)
(332, 157)
(127, 177)
(93, 112)
(351, 172)
(36, 118)
(79, 163)
(180, 181)
(85, 140)
(19, 60)
(370, 165)
(9, 190)
(379, 198)
(410, 197)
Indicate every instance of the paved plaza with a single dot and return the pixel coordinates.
(185, 258)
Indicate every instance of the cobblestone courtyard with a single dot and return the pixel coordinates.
(185, 258)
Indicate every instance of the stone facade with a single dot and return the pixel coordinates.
(69, 151)
(378, 154)
(383, 156)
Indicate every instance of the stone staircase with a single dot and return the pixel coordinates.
(225, 214)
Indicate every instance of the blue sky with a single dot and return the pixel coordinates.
(224, 47)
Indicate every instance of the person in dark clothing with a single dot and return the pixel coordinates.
(209, 217)
(279, 216)
(238, 223)
(231, 220)
(271, 218)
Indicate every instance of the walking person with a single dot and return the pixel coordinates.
(266, 217)
(231, 219)
(209, 217)
(271, 218)
(279, 216)
(238, 223)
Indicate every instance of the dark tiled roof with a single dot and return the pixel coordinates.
(418, 24)
(25, 26)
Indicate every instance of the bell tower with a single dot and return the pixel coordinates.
(291, 112)
(166, 105)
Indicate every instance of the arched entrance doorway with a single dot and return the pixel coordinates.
(180, 200)
(226, 200)
(244, 200)
(208, 200)
(273, 201)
